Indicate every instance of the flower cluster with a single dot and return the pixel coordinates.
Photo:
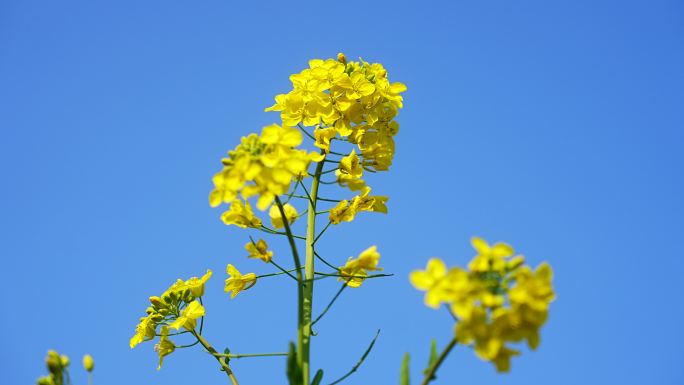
(356, 270)
(263, 165)
(178, 307)
(497, 301)
(58, 364)
(354, 100)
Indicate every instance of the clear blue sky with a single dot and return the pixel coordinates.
(555, 126)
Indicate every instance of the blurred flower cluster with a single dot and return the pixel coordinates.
(496, 301)
(58, 366)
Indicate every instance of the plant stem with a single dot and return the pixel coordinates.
(301, 286)
(214, 353)
(304, 344)
(430, 375)
(237, 356)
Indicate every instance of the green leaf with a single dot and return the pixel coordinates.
(405, 374)
(433, 356)
(294, 372)
(318, 377)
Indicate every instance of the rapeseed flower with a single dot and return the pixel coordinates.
(277, 220)
(259, 250)
(236, 282)
(356, 270)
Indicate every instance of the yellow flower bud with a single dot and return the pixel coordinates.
(341, 58)
(53, 361)
(88, 363)
(64, 360)
(45, 380)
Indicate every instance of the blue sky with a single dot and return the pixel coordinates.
(554, 126)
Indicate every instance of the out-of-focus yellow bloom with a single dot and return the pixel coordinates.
(259, 250)
(236, 282)
(356, 270)
(45, 380)
(196, 285)
(489, 257)
(165, 345)
(88, 363)
(240, 214)
(189, 316)
(431, 281)
(64, 359)
(277, 220)
(498, 301)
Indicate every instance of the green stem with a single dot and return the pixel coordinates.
(430, 375)
(213, 352)
(301, 286)
(236, 356)
(344, 285)
(304, 343)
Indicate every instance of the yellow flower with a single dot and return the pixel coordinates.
(165, 345)
(489, 258)
(144, 331)
(241, 215)
(263, 165)
(355, 98)
(342, 212)
(364, 202)
(88, 363)
(196, 285)
(355, 270)
(323, 137)
(189, 316)
(349, 168)
(237, 282)
(502, 360)
(277, 220)
(431, 281)
(533, 289)
(259, 250)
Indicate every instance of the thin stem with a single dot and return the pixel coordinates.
(307, 308)
(237, 356)
(354, 276)
(430, 374)
(213, 352)
(326, 262)
(322, 231)
(332, 301)
(298, 265)
(356, 367)
(328, 200)
(281, 272)
(306, 132)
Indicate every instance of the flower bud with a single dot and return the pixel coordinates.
(88, 363)
(54, 364)
(64, 360)
(341, 58)
(45, 380)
